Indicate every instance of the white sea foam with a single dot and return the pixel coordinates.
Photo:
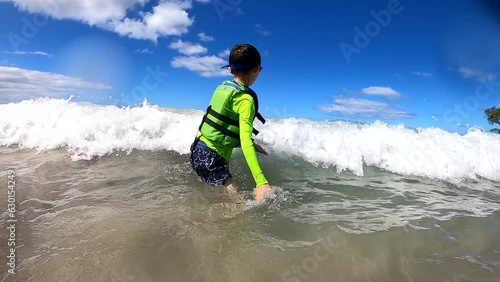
(89, 130)
(427, 152)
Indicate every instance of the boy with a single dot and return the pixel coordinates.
(228, 123)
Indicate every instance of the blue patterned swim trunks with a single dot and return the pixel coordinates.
(211, 168)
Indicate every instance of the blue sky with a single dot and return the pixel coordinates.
(408, 62)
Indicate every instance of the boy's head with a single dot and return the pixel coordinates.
(245, 62)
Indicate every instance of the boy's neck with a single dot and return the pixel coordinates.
(242, 80)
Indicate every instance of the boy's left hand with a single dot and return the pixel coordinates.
(259, 149)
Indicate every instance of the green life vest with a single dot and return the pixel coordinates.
(220, 123)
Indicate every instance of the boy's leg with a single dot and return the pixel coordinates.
(230, 186)
(211, 168)
(233, 193)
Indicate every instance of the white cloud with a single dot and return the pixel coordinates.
(17, 84)
(205, 38)
(422, 74)
(203, 1)
(4, 62)
(188, 48)
(364, 109)
(92, 12)
(205, 66)
(381, 91)
(470, 73)
(260, 30)
(144, 51)
(224, 53)
(40, 53)
(168, 17)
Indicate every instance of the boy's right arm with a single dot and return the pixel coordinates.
(246, 110)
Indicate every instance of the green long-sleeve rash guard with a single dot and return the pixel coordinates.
(244, 106)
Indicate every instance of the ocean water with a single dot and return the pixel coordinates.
(107, 194)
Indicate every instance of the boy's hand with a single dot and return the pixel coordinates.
(259, 149)
(261, 191)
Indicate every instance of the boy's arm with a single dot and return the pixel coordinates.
(245, 108)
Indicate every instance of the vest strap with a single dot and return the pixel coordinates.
(220, 128)
(225, 119)
(222, 118)
(260, 117)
